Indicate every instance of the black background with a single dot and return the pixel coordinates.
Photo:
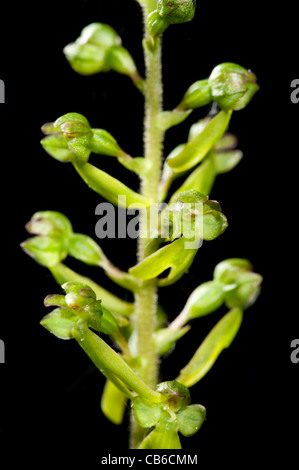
(50, 395)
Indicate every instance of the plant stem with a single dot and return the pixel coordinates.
(146, 297)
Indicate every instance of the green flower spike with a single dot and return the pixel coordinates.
(232, 86)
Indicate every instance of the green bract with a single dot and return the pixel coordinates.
(218, 339)
(197, 148)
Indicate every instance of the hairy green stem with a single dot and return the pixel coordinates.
(146, 296)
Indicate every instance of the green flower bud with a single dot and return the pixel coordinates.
(99, 34)
(214, 221)
(103, 143)
(226, 268)
(205, 299)
(241, 286)
(243, 289)
(82, 300)
(184, 216)
(72, 125)
(88, 55)
(46, 251)
(50, 223)
(86, 59)
(232, 86)
(176, 395)
(176, 11)
(74, 287)
(68, 137)
(85, 249)
(197, 95)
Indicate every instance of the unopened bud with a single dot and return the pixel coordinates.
(214, 221)
(197, 95)
(50, 223)
(88, 54)
(99, 34)
(232, 86)
(68, 137)
(176, 11)
(104, 143)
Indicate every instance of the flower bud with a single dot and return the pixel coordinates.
(72, 125)
(197, 95)
(99, 34)
(226, 268)
(241, 284)
(82, 300)
(85, 249)
(103, 143)
(68, 137)
(46, 251)
(243, 289)
(192, 211)
(214, 221)
(176, 11)
(88, 55)
(86, 59)
(50, 223)
(205, 299)
(232, 86)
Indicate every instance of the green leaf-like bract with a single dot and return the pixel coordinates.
(220, 337)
